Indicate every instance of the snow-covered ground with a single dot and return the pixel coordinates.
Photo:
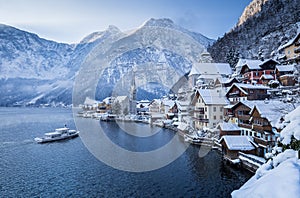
(280, 176)
(277, 178)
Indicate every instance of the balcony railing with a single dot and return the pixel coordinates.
(204, 120)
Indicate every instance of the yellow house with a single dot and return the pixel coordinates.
(292, 49)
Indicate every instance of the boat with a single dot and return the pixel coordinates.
(58, 134)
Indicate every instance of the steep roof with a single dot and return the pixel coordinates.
(290, 42)
(267, 77)
(211, 68)
(272, 110)
(268, 60)
(242, 87)
(253, 64)
(213, 96)
(285, 68)
(227, 126)
(237, 142)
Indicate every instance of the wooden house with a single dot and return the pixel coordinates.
(240, 92)
(233, 144)
(260, 120)
(285, 74)
(226, 128)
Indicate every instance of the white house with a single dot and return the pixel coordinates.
(209, 108)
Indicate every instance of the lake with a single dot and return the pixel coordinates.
(68, 169)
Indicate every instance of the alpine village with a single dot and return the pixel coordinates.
(242, 110)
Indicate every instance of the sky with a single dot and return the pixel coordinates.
(69, 21)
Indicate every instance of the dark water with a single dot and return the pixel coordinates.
(67, 169)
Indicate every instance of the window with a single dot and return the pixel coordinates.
(205, 108)
(221, 109)
(221, 117)
(215, 109)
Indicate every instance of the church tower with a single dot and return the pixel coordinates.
(132, 97)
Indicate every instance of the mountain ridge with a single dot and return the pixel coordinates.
(259, 33)
(44, 71)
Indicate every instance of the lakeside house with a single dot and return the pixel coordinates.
(233, 144)
(228, 128)
(260, 120)
(208, 108)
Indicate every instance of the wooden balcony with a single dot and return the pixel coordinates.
(256, 127)
(247, 126)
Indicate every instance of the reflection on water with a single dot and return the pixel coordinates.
(67, 168)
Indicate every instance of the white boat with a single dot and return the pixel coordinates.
(58, 134)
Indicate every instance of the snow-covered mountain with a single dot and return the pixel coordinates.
(38, 71)
(262, 28)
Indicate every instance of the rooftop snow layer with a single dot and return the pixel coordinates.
(236, 142)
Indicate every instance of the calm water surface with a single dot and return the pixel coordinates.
(67, 169)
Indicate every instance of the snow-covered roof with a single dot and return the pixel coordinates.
(213, 96)
(253, 64)
(242, 87)
(211, 68)
(89, 101)
(267, 60)
(250, 86)
(285, 68)
(120, 99)
(273, 110)
(227, 126)
(267, 77)
(290, 42)
(237, 142)
(169, 103)
(224, 80)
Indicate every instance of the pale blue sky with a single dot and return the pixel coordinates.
(71, 20)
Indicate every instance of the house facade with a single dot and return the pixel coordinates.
(207, 73)
(232, 145)
(285, 75)
(292, 49)
(241, 92)
(208, 108)
(259, 72)
(261, 121)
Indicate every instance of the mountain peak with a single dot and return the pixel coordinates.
(111, 29)
(163, 22)
(254, 7)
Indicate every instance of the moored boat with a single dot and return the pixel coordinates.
(58, 134)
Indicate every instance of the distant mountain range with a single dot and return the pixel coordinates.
(262, 28)
(36, 71)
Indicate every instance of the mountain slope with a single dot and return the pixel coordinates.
(37, 71)
(263, 27)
